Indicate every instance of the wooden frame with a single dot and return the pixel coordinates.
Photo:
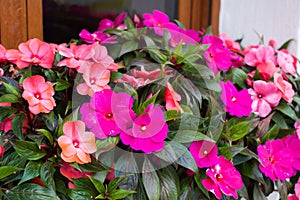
(198, 14)
(20, 20)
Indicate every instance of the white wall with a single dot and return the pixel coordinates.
(275, 19)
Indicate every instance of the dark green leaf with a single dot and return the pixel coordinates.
(169, 184)
(98, 185)
(28, 149)
(188, 136)
(258, 194)
(115, 75)
(106, 144)
(230, 152)
(8, 170)
(120, 194)
(239, 130)
(286, 44)
(280, 121)
(47, 172)
(47, 134)
(11, 89)
(113, 184)
(272, 133)
(17, 125)
(251, 170)
(62, 85)
(32, 170)
(31, 191)
(128, 47)
(6, 112)
(9, 98)
(85, 184)
(76, 194)
(151, 181)
(287, 110)
(239, 77)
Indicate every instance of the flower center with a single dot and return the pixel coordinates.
(109, 115)
(271, 159)
(205, 152)
(218, 177)
(37, 95)
(211, 55)
(35, 60)
(93, 81)
(260, 96)
(143, 128)
(75, 143)
(233, 99)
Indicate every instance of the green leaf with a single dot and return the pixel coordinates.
(32, 170)
(8, 170)
(128, 47)
(239, 77)
(115, 75)
(85, 184)
(251, 170)
(120, 194)
(257, 193)
(9, 98)
(98, 185)
(28, 149)
(188, 136)
(17, 125)
(62, 85)
(31, 191)
(286, 44)
(77, 194)
(172, 115)
(280, 121)
(272, 133)
(47, 134)
(106, 144)
(151, 181)
(6, 112)
(230, 152)
(239, 130)
(287, 110)
(169, 184)
(11, 89)
(47, 172)
(113, 184)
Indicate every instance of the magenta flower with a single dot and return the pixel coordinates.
(276, 160)
(2, 54)
(264, 95)
(238, 103)
(184, 36)
(98, 115)
(223, 178)
(96, 37)
(204, 153)
(147, 132)
(217, 55)
(297, 131)
(158, 20)
(117, 23)
(293, 144)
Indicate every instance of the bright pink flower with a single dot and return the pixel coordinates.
(99, 116)
(264, 95)
(217, 56)
(284, 87)
(76, 143)
(71, 173)
(158, 20)
(172, 99)
(287, 62)
(293, 143)
(117, 23)
(292, 197)
(297, 131)
(2, 54)
(297, 189)
(96, 78)
(183, 36)
(276, 160)
(39, 94)
(76, 56)
(2, 149)
(33, 52)
(96, 37)
(204, 153)
(223, 178)
(147, 132)
(238, 103)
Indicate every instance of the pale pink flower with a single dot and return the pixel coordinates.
(287, 62)
(76, 143)
(2, 54)
(33, 52)
(39, 94)
(256, 55)
(223, 178)
(264, 95)
(96, 78)
(101, 56)
(172, 99)
(297, 189)
(284, 87)
(76, 56)
(230, 43)
(204, 153)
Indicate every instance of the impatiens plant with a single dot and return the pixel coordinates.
(142, 108)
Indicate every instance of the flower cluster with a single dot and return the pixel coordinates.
(133, 107)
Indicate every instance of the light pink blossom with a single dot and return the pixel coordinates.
(287, 62)
(284, 87)
(172, 99)
(264, 95)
